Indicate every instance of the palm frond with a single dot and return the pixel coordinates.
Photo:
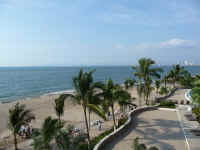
(97, 110)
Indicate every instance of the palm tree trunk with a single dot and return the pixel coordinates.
(86, 124)
(140, 102)
(15, 141)
(113, 115)
(147, 103)
(89, 123)
(145, 99)
(174, 85)
(59, 120)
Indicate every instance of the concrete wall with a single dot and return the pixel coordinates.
(159, 99)
(122, 129)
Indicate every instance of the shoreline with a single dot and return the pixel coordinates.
(37, 96)
(43, 106)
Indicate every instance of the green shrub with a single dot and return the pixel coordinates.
(196, 111)
(97, 139)
(164, 91)
(153, 148)
(196, 95)
(35, 133)
(122, 121)
(138, 146)
(167, 104)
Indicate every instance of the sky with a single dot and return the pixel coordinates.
(98, 32)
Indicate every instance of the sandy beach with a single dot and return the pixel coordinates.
(43, 107)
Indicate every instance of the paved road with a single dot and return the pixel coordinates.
(155, 127)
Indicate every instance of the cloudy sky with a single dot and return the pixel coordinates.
(98, 32)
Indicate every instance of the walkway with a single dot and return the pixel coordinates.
(158, 128)
(187, 125)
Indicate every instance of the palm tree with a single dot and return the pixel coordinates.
(187, 80)
(48, 132)
(196, 95)
(83, 84)
(176, 74)
(149, 89)
(113, 93)
(66, 141)
(163, 91)
(166, 80)
(157, 85)
(144, 72)
(124, 102)
(59, 107)
(140, 91)
(18, 116)
(94, 104)
(129, 83)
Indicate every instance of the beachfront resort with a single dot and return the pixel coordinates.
(153, 110)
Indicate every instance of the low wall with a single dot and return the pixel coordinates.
(159, 99)
(122, 129)
(188, 96)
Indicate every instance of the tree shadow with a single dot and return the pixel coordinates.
(164, 131)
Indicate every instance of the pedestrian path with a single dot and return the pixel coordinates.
(154, 128)
(193, 140)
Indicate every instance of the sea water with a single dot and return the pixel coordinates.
(22, 82)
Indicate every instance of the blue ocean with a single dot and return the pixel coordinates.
(21, 82)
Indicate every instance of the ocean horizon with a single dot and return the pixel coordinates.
(18, 83)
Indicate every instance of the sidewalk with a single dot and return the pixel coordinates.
(192, 140)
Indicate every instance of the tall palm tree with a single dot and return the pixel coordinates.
(113, 93)
(94, 104)
(144, 72)
(166, 80)
(18, 116)
(187, 80)
(83, 84)
(176, 74)
(140, 91)
(149, 88)
(50, 129)
(157, 85)
(163, 91)
(59, 107)
(66, 141)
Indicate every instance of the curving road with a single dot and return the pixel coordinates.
(154, 127)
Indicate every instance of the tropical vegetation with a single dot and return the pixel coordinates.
(101, 98)
(18, 116)
(84, 90)
(176, 74)
(128, 83)
(145, 72)
(138, 146)
(113, 93)
(163, 91)
(167, 104)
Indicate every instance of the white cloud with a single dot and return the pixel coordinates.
(176, 42)
(171, 43)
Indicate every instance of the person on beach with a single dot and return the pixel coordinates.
(22, 130)
(99, 125)
(109, 115)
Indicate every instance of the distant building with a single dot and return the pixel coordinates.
(187, 63)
